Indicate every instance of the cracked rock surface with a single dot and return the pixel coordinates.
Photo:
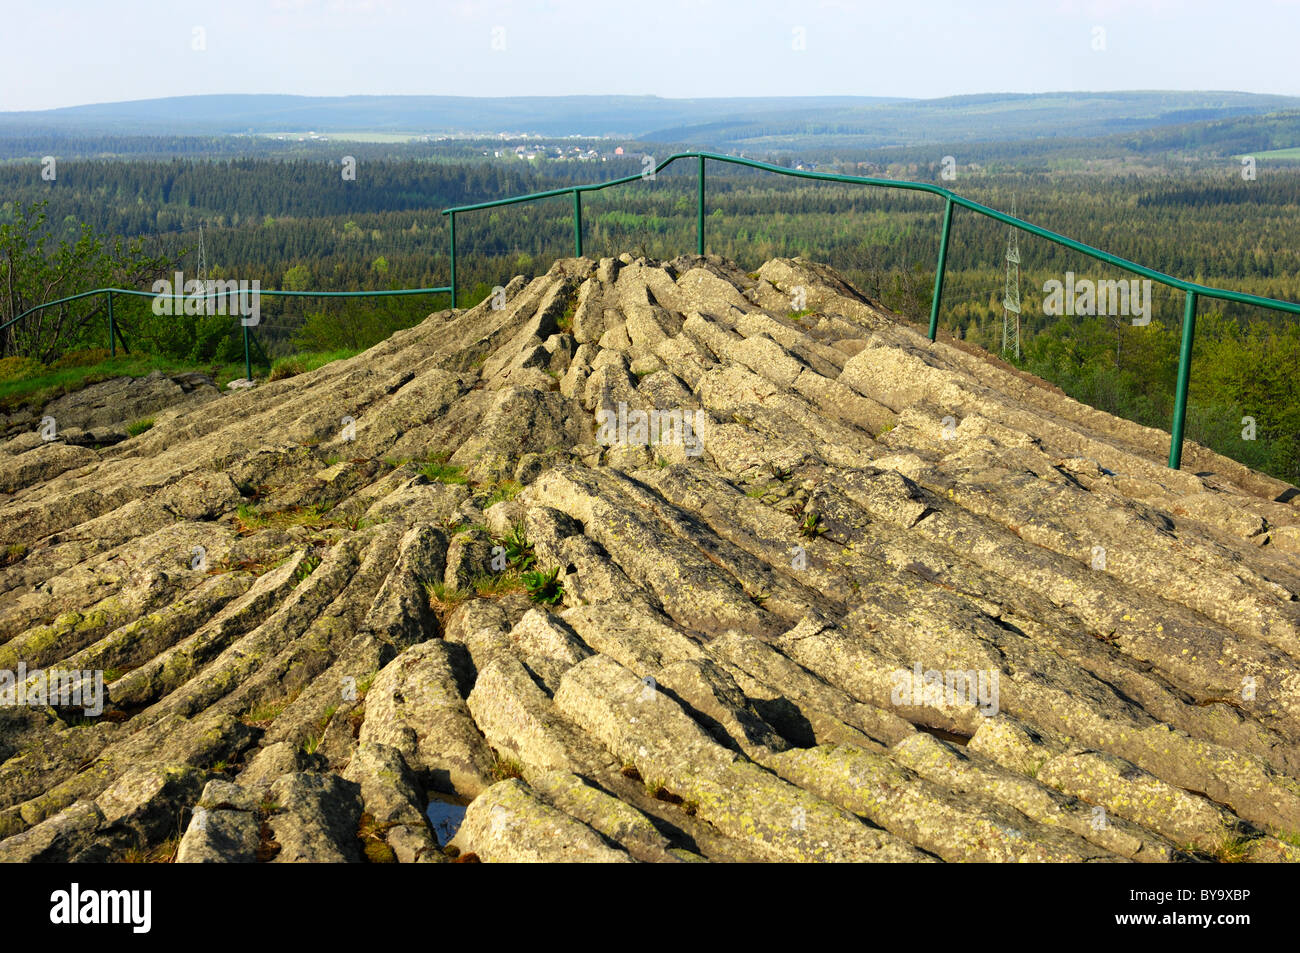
(646, 566)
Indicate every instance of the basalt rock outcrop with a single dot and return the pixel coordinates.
(845, 595)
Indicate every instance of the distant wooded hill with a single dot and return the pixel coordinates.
(759, 123)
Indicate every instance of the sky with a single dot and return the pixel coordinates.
(72, 52)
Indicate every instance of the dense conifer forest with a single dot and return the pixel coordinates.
(126, 210)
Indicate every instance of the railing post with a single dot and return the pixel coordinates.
(112, 332)
(577, 224)
(248, 363)
(1184, 377)
(939, 269)
(452, 216)
(699, 220)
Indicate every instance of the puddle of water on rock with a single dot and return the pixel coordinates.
(445, 816)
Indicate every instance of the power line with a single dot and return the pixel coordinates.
(1011, 297)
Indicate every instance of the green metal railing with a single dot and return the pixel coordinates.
(250, 340)
(1192, 290)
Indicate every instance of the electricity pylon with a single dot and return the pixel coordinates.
(203, 259)
(1011, 297)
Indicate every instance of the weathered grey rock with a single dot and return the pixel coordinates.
(225, 827)
(646, 728)
(145, 804)
(729, 671)
(315, 818)
(619, 823)
(468, 557)
(521, 723)
(967, 773)
(271, 763)
(1131, 793)
(948, 825)
(67, 836)
(393, 801)
(508, 823)
(45, 461)
(125, 400)
(415, 705)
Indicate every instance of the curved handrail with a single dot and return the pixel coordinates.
(220, 294)
(114, 334)
(1205, 291)
(1192, 289)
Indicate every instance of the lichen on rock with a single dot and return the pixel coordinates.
(644, 566)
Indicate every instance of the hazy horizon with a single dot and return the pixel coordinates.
(673, 49)
(524, 96)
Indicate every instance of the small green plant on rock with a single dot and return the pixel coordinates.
(306, 568)
(1233, 849)
(811, 526)
(564, 323)
(252, 518)
(139, 427)
(519, 551)
(543, 587)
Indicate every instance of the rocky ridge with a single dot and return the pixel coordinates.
(429, 570)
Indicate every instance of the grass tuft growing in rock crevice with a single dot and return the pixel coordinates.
(252, 518)
(444, 598)
(436, 469)
(499, 492)
(506, 768)
(263, 715)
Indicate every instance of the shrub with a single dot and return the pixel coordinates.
(94, 355)
(19, 368)
(286, 367)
